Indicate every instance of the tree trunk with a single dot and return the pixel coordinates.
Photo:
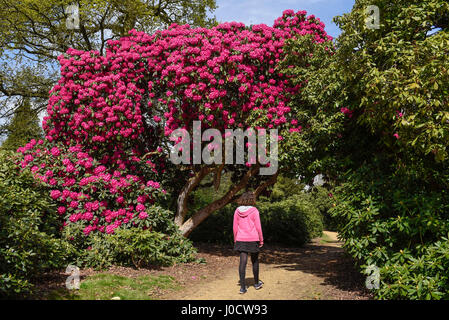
(189, 187)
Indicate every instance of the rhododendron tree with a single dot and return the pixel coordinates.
(120, 109)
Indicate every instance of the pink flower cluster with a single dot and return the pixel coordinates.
(347, 112)
(85, 192)
(220, 76)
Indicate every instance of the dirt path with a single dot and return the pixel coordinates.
(319, 270)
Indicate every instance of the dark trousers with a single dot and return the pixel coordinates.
(242, 267)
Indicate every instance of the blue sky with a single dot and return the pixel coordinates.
(266, 11)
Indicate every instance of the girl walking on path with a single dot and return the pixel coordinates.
(248, 238)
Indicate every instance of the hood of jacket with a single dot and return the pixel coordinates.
(244, 211)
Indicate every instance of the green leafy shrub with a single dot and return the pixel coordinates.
(28, 242)
(138, 248)
(293, 221)
(375, 115)
(422, 277)
(154, 241)
(393, 219)
(321, 198)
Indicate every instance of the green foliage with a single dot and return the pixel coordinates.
(283, 188)
(422, 277)
(394, 80)
(138, 248)
(321, 121)
(321, 198)
(389, 218)
(375, 110)
(24, 126)
(217, 228)
(293, 221)
(292, 215)
(398, 68)
(28, 245)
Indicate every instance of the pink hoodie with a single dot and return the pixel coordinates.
(247, 225)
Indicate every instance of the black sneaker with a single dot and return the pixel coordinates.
(258, 285)
(243, 290)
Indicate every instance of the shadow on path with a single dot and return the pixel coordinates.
(325, 260)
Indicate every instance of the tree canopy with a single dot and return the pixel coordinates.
(23, 127)
(34, 33)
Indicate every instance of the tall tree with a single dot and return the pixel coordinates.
(23, 127)
(34, 33)
(378, 120)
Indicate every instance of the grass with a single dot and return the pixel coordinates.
(105, 286)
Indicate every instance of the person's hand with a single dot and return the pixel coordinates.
(260, 244)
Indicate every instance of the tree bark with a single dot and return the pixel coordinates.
(189, 187)
(217, 177)
(266, 184)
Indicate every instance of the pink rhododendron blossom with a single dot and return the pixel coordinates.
(346, 111)
(143, 215)
(55, 151)
(55, 194)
